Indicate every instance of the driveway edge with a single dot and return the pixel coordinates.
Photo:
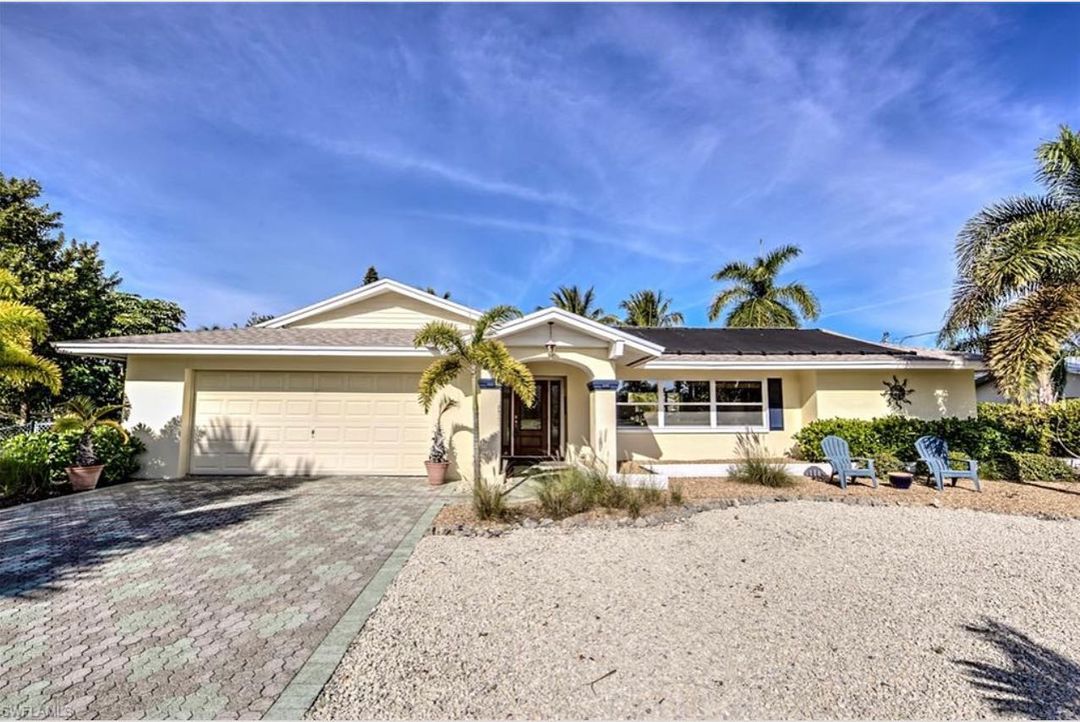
(296, 699)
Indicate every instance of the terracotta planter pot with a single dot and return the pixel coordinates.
(84, 478)
(436, 471)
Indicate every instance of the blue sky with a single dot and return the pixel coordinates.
(240, 158)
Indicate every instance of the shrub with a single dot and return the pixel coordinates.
(1020, 466)
(22, 479)
(886, 462)
(488, 501)
(997, 430)
(578, 489)
(755, 465)
(53, 452)
(1065, 428)
(859, 434)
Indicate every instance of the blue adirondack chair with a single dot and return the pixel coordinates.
(838, 453)
(935, 454)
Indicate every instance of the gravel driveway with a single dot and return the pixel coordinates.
(799, 609)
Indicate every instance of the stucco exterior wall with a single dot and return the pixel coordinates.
(857, 394)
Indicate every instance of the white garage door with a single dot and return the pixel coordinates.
(308, 423)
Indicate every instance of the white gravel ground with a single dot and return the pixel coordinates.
(799, 610)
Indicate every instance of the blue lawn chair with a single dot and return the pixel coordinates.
(838, 453)
(935, 454)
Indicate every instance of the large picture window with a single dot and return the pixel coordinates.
(690, 404)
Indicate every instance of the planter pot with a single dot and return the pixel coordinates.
(900, 479)
(84, 478)
(436, 471)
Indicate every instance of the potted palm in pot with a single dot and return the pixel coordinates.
(438, 460)
(83, 415)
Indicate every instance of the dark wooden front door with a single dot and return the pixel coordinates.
(534, 431)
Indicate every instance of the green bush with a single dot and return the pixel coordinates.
(886, 462)
(53, 452)
(859, 433)
(22, 479)
(1065, 428)
(998, 429)
(755, 465)
(1020, 466)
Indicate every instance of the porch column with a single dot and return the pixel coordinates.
(602, 422)
(490, 429)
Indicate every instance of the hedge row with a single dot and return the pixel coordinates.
(998, 429)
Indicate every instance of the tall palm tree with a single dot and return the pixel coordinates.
(473, 353)
(758, 301)
(574, 300)
(20, 327)
(650, 308)
(1018, 276)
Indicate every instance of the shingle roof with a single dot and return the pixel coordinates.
(330, 337)
(761, 342)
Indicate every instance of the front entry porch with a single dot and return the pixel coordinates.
(532, 434)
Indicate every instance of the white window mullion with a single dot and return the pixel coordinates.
(712, 404)
(660, 405)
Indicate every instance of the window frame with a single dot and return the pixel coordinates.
(713, 406)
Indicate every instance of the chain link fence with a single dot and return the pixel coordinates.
(6, 432)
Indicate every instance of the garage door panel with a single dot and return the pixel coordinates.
(263, 422)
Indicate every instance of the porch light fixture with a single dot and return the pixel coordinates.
(550, 345)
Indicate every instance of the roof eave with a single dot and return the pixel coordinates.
(105, 350)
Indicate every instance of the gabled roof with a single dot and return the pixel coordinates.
(610, 334)
(760, 342)
(371, 290)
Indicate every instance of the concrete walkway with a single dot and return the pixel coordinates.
(197, 598)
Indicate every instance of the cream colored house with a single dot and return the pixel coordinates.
(331, 389)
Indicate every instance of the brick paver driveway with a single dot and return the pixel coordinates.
(188, 598)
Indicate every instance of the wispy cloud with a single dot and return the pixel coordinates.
(498, 151)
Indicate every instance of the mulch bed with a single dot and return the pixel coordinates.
(1052, 500)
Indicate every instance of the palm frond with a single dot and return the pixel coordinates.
(492, 318)
(440, 373)
(495, 358)
(735, 271)
(1059, 165)
(21, 324)
(775, 259)
(801, 296)
(21, 368)
(726, 298)
(10, 287)
(441, 335)
(1029, 335)
(762, 313)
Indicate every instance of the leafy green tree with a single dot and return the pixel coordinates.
(473, 353)
(582, 303)
(1017, 289)
(650, 308)
(67, 281)
(20, 327)
(756, 299)
(371, 276)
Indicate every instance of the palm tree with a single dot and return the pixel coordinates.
(20, 327)
(473, 353)
(1018, 276)
(83, 415)
(574, 300)
(650, 308)
(758, 301)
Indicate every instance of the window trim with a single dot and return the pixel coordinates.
(713, 406)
